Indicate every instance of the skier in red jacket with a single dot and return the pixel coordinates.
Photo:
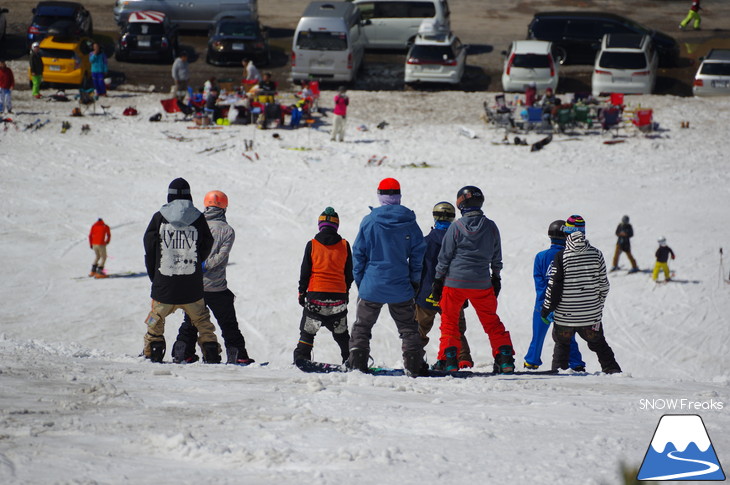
(99, 237)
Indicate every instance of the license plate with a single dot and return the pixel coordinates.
(54, 68)
(622, 79)
(720, 84)
(143, 43)
(237, 46)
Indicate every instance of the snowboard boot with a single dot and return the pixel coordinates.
(358, 359)
(238, 356)
(211, 353)
(504, 362)
(303, 350)
(451, 364)
(529, 366)
(414, 364)
(100, 273)
(157, 351)
(180, 354)
(93, 271)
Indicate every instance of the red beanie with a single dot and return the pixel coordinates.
(389, 186)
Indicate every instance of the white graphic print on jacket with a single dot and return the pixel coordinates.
(178, 249)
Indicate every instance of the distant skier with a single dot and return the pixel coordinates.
(444, 214)
(542, 268)
(469, 266)
(692, 16)
(99, 236)
(576, 294)
(625, 232)
(176, 242)
(662, 257)
(340, 112)
(324, 286)
(387, 262)
(216, 294)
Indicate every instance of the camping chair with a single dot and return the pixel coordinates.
(534, 120)
(610, 119)
(174, 105)
(87, 99)
(643, 121)
(565, 119)
(582, 116)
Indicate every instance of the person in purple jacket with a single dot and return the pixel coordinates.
(340, 112)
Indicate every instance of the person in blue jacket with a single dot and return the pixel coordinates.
(387, 262)
(444, 214)
(541, 273)
(99, 68)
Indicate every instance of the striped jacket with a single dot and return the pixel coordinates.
(578, 284)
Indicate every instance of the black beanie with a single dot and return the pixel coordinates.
(179, 189)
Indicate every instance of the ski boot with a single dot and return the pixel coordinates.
(504, 362)
(100, 273)
(358, 360)
(211, 353)
(93, 271)
(633, 270)
(157, 351)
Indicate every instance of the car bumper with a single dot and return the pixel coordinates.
(603, 87)
(144, 54)
(234, 58)
(519, 85)
(449, 77)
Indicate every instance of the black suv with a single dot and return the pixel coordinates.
(147, 34)
(71, 17)
(235, 39)
(576, 36)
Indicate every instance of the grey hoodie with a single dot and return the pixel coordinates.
(214, 278)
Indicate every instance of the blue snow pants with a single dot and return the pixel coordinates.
(539, 331)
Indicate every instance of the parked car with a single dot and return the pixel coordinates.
(147, 34)
(3, 22)
(66, 60)
(233, 39)
(529, 61)
(713, 75)
(626, 63)
(71, 17)
(576, 36)
(188, 14)
(437, 55)
(394, 24)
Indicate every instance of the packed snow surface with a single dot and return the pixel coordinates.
(77, 404)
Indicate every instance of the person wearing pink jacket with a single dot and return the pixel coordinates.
(340, 112)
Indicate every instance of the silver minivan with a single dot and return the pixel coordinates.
(328, 44)
(393, 24)
(188, 14)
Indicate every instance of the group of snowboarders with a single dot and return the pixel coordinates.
(391, 263)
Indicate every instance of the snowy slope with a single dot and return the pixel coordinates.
(76, 398)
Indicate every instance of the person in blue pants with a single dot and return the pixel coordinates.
(541, 274)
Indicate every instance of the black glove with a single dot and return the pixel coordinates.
(437, 289)
(496, 284)
(544, 312)
(416, 285)
(302, 298)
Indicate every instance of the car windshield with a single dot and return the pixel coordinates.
(58, 53)
(139, 28)
(322, 41)
(531, 61)
(623, 60)
(716, 68)
(246, 30)
(47, 15)
(432, 53)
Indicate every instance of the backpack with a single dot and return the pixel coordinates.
(129, 111)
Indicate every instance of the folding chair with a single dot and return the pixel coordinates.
(582, 116)
(87, 99)
(617, 99)
(174, 105)
(610, 119)
(534, 120)
(565, 119)
(643, 120)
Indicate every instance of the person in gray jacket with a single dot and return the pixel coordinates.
(470, 248)
(181, 75)
(216, 294)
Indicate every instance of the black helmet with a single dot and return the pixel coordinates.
(444, 211)
(555, 231)
(469, 197)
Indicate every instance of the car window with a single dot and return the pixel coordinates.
(146, 29)
(582, 29)
(548, 28)
(238, 29)
(715, 68)
(531, 61)
(322, 41)
(623, 60)
(432, 52)
(58, 53)
(403, 10)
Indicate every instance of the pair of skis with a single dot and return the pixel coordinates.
(36, 125)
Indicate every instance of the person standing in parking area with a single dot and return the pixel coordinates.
(99, 68)
(36, 69)
(181, 75)
(7, 84)
(692, 16)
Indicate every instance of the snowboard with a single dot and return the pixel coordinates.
(536, 147)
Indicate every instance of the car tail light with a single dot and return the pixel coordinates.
(599, 71)
(509, 63)
(641, 73)
(349, 61)
(293, 59)
(698, 82)
(552, 66)
(414, 61)
(124, 41)
(164, 43)
(33, 30)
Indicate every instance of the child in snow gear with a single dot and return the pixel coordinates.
(471, 246)
(7, 84)
(444, 214)
(340, 112)
(625, 232)
(99, 236)
(692, 16)
(662, 257)
(387, 263)
(324, 285)
(216, 295)
(176, 242)
(542, 268)
(576, 294)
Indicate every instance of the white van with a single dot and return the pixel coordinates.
(190, 14)
(393, 24)
(328, 44)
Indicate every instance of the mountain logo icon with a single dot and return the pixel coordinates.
(681, 450)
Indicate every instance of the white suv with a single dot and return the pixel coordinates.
(713, 76)
(437, 55)
(529, 61)
(626, 63)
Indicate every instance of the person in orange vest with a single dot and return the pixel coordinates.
(324, 285)
(99, 237)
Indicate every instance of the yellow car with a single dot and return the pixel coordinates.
(66, 60)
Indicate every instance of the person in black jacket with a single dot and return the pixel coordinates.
(36, 69)
(177, 242)
(625, 232)
(324, 286)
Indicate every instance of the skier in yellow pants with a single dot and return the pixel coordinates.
(692, 16)
(662, 256)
